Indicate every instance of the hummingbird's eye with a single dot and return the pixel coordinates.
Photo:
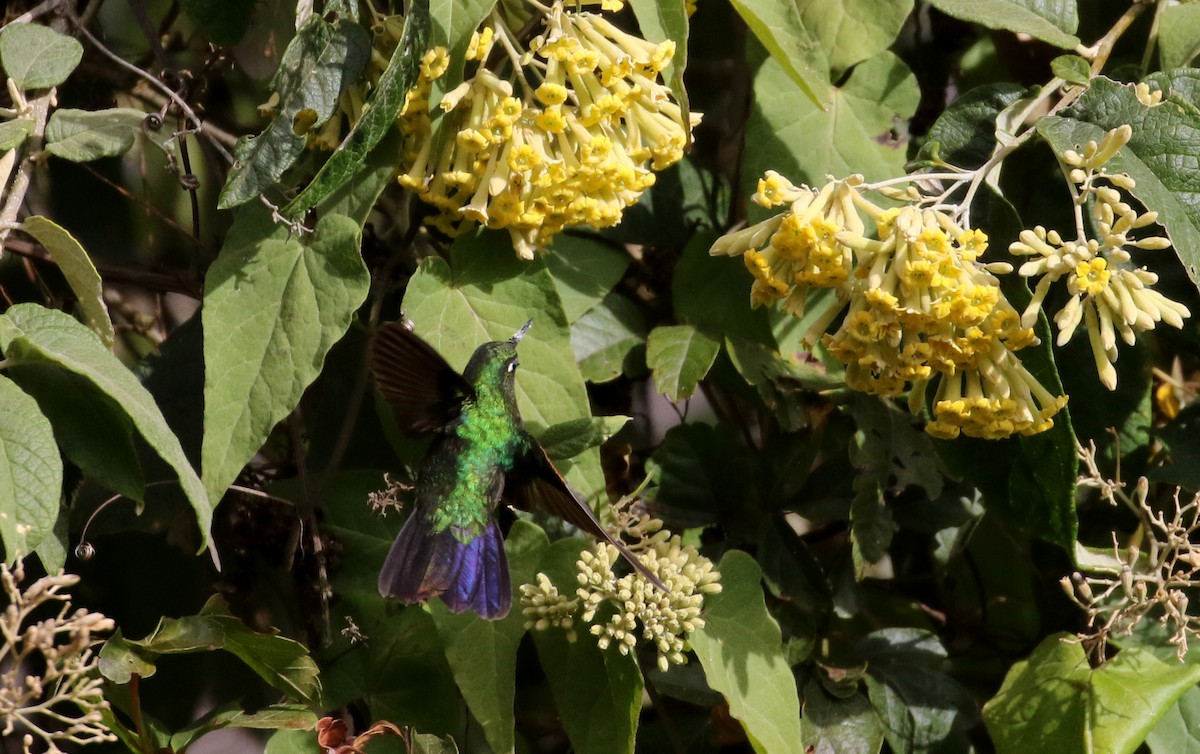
(512, 365)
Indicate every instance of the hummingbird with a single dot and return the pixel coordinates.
(480, 456)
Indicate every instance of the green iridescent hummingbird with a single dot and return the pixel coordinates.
(480, 457)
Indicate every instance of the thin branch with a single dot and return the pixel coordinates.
(179, 102)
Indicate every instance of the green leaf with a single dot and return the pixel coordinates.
(483, 654)
(1054, 21)
(778, 27)
(890, 454)
(584, 271)
(281, 662)
(427, 743)
(608, 338)
(293, 742)
(680, 356)
(702, 473)
(714, 293)
(14, 132)
(1072, 68)
(845, 726)
(378, 116)
(851, 31)
(1164, 138)
(569, 439)
(660, 20)
(741, 650)
(31, 334)
(1179, 35)
(1178, 730)
(320, 62)
(1056, 702)
(787, 133)
(598, 694)
(30, 473)
(271, 717)
(91, 429)
(273, 307)
(222, 21)
(37, 57)
(121, 659)
(77, 268)
(965, 132)
(85, 135)
(488, 294)
(920, 706)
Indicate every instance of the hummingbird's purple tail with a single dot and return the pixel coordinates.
(467, 576)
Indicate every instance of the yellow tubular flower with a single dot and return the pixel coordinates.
(576, 149)
(919, 305)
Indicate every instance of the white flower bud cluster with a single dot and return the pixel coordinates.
(624, 609)
(60, 649)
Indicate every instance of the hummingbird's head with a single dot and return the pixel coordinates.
(495, 363)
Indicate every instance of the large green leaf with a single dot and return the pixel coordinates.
(31, 334)
(1055, 701)
(91, 429)
(584, 271)
(14, 132)
(30, 473)
(483, 654)
(598, 694)
(842, 725)
(1179, 35)
(320, 62)
(680, 356)
(787, 133)
(801, 61)
(1053, 21)
(606, 339)
(851, 31)
(378, 116)
(273, 307)
(1165, 140)
(890, 454)
(920, 706)
(77, 268)
(488, 294)
(741, 650)
(85, 135)
(37, 57)
(281, 662)
(1178, 730)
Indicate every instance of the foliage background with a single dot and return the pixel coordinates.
(879, 586)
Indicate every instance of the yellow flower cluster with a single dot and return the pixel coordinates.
(568, 136)
(617, 606)
(1107, 295)
(919, 305)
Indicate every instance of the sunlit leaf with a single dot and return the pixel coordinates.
(273, 307)
(741, 650)
(37, 57)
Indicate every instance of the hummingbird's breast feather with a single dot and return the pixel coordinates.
(462, 477)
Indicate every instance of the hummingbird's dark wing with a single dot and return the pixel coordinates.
(534, 482)
(425, 392)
